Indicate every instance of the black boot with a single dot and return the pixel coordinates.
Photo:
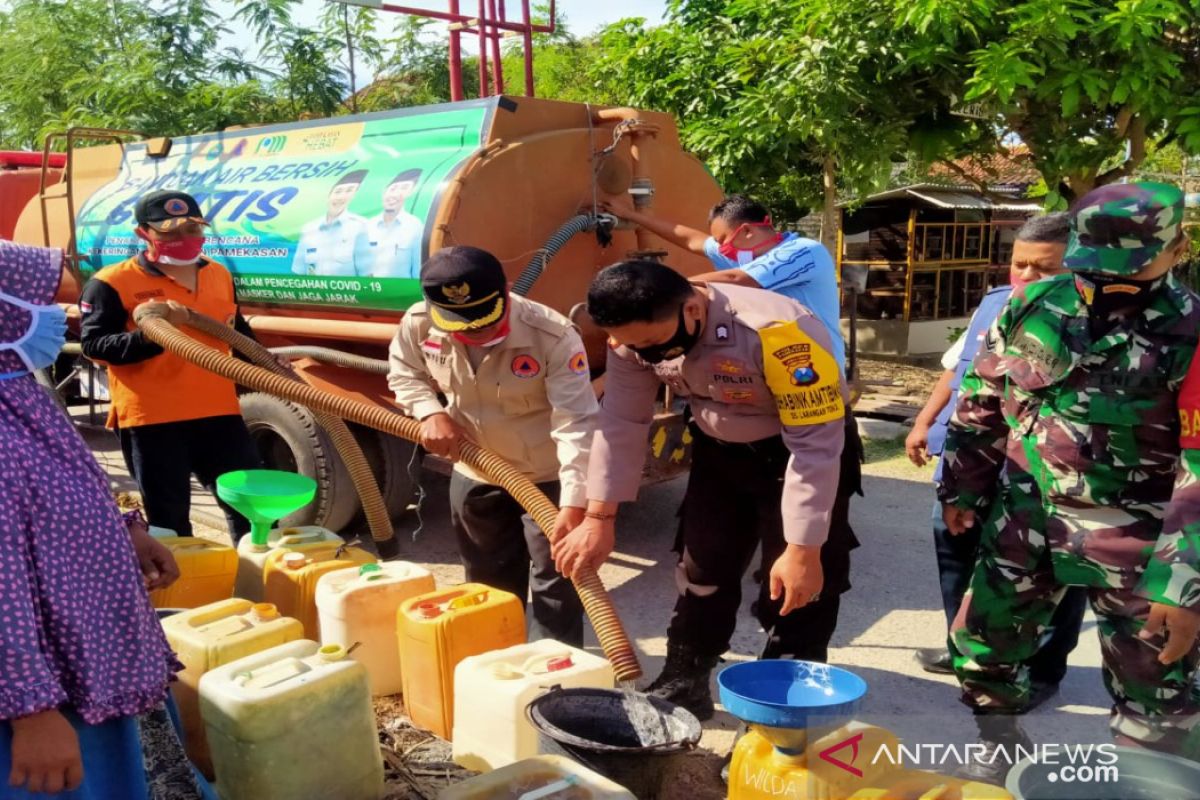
(1001, 736)
(685, 679)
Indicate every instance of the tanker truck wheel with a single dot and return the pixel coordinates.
(289, 438)
(396, 465)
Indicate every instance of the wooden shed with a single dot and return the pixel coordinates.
(931, 251)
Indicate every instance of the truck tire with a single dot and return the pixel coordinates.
(289, 439)
(390, 459)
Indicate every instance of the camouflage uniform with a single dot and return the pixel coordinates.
(1070, 434)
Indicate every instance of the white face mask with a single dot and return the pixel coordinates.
(177, 262)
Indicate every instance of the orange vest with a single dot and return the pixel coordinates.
(168, 388)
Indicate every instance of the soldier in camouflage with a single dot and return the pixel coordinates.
(1066, 441)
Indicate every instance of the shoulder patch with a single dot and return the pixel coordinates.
(802, 375)
(579, 363)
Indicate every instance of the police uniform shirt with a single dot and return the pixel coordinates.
(763, 367)
(329, 248)
(529, 400)
(392, 249)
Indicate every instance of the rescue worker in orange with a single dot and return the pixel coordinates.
(174, 419)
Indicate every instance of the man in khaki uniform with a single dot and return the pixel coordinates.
(516, 382)
(768, 403)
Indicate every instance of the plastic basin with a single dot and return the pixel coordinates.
(783, 699)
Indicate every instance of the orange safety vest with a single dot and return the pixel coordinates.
(168, 388)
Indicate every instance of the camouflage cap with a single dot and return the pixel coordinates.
(1120, 228)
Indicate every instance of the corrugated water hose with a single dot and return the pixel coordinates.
(596, 601)
(374, 508)
(327, 355)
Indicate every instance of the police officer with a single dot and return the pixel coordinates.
(331, 245)
(1072, 408)
(175, 419)
(516, 382)
(747, 250)
(768, 404)
(1037, 253)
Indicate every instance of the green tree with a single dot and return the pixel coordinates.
(793, 100)
(118, 63)
(358, 46)
(1088, 85)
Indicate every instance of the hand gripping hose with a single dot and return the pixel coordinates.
(596, 601)
(374, 508)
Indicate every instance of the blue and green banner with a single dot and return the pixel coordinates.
(333, 212)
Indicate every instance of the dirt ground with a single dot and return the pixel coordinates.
(917, 381)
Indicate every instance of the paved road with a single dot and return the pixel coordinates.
(893, 608)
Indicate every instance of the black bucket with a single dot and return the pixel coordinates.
(628, 737)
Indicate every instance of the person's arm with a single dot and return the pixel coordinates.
(572, 417)
(917, 442)
(977, 436)
(679, 235)
(615, 463)
(299, 265)
(738, 277)
(813, 427)
(102, 332)
(1173, 575)
(410, 382)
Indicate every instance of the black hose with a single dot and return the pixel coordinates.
(327, 355)
(577, 224)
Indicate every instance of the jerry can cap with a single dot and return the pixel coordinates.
(264, 611)
(560, 663)
(370, 571)
(294, 560)
(428, 610)
(332, 652)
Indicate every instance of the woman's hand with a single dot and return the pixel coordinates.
(45, 754)
(159, 569)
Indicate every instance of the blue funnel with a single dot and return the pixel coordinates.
(785, 700)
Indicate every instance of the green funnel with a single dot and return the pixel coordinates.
(264, 496)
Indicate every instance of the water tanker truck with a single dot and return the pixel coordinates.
(297, 210)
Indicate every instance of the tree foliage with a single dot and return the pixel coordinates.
(1086, 84)
(116, 63)
(793, 100)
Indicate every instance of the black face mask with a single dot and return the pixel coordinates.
(680, 343)
(1111, 295)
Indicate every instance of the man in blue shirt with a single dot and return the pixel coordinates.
(1037, 253)
(747, 250)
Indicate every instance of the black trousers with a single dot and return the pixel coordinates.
(501, 546)
(162, 459)
(731, 506)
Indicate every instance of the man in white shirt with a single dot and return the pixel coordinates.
(328, 245)
(391, 243)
